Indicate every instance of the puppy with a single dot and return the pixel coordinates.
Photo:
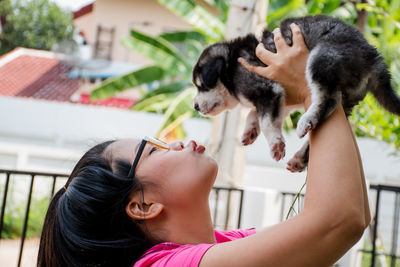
(341, 68)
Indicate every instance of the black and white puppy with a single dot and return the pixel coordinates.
(341, 68)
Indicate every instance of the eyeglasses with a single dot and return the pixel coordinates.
(158, 143)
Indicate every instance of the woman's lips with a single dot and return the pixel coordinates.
(200, 149)
(197, 148)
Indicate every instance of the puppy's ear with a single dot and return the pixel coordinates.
(212, 72)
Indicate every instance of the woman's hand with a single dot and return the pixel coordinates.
(286, 67)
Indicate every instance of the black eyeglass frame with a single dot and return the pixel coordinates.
(145, 140)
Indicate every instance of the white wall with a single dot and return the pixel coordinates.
(63, 131)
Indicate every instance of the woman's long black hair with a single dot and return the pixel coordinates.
(86, 224)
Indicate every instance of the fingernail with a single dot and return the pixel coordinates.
(276, 30)
(293, 24)
(240, 60)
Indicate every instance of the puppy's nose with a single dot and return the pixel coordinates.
(196, 107)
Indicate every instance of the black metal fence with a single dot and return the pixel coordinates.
(13, 174)
(291, 204)
(226, 208)
(226, 202)
(391, 258)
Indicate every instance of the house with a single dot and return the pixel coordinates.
(43, 75)
(105, 22)
(34, 73)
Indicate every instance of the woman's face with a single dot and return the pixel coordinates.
(177, 176)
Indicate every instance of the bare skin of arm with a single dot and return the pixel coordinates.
(336, 210)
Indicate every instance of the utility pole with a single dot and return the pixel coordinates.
(244, 16)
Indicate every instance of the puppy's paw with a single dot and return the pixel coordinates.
(278, 149)
(250, 135)
(304, 125)
(296, 164)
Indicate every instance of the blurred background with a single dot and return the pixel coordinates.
(75, 73)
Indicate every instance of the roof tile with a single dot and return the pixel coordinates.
(38, 77)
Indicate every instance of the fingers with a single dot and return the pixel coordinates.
(298, 39)
(262, 71)
(264, 55)
(280, 43)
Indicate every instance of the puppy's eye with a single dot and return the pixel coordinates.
(152, 150)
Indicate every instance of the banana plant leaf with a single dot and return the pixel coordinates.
(371, 120)
(193, 43)
(155, 104)
(322, 6)
(142, 76)
(282, 11)
(160, 51)
(175, 129)
(198, 17)
(160, 99)
(178, 110)
(183, 36)
(173, 87)
(220, 4)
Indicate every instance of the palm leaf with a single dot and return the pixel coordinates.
(291, 8)
(156, 104)
(128, 81)
(182, 105)
(158, 100)
(322, 6)
(198, 17)
(175, 130)
(173, 87)
(220, 4)
(160, 51)
(183, 36)
(193, 43)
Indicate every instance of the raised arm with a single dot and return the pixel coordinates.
(336, 210)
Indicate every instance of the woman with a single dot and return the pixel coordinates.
(143, 203)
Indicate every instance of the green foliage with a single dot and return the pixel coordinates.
(370, 120)
(173, 55)
(160, 99)
(381, 30)
(198, 17)
(34, 24)
(280, 10)
(222, 6)
(366, 258)
(15, 216)
(127, 81)
(181, 108)
(162, 52)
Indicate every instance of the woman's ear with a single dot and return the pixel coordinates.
(143, 211)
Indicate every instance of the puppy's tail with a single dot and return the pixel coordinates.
(383, 90)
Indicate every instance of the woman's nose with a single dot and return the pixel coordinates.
(176, 145)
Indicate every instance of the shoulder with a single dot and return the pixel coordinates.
(171, 254)
(225, 236)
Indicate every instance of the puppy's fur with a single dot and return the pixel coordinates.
(341, 68)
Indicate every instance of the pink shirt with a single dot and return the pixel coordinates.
(176, 255)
